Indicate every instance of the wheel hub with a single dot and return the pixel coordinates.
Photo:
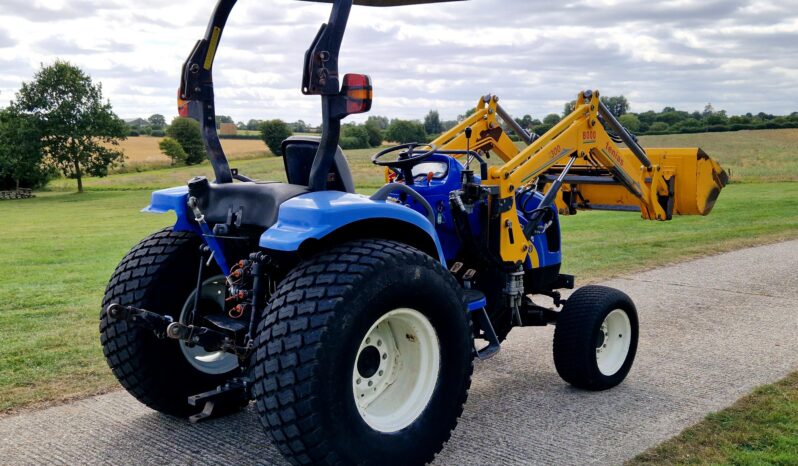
(368, 363)
(396, 370)
(211, 300)
(613, 341)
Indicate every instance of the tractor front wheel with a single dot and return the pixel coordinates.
(364, 356)
(595, 339)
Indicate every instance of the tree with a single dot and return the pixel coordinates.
(467, 114)
(188, 134)
(380, 122)
(172, 149)
(375, 132)
(617, 105)
(432, 122)
(405, 131)
(525, 121)
(273, 133)
(551, 119)
(253, 125)
(630, 122)
(20, 151)
(79, 132)
(299, 126)
(568, 108)
(157, 121)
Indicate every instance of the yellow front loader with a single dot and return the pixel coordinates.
(587, 161)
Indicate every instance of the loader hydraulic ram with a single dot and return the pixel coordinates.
(579, 164)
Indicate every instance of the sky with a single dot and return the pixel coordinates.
(739, 55)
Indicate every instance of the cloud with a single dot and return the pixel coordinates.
(535, 54)
(5, 39)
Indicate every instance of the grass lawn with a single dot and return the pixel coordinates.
(760, 429)
(53, 278)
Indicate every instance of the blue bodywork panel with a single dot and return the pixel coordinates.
(176, 200)
(316, 215)
(547, 245)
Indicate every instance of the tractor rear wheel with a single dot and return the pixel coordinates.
(595, 339)
(159, 274)
(363, 356)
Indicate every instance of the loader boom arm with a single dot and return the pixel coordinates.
(579, 165)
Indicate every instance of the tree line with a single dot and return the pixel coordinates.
(59, 123)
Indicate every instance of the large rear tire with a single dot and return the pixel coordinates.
(159, 274)
(364, 356)
(595, 340)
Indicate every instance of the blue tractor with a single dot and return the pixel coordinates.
(351, 321)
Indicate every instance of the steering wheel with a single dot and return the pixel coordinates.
(409, 155)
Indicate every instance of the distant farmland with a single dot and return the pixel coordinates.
(143, 150)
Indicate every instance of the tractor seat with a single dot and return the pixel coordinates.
(242, 204)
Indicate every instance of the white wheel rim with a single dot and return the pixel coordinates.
(216, 362)
(613, 342)
(392, 390)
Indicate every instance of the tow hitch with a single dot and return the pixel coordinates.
(165, 327)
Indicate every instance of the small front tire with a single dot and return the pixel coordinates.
(595, 340)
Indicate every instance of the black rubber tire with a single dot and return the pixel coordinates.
(577, 332)
(308, 340)
(158, 274)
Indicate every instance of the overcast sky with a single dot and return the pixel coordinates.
(739, 55)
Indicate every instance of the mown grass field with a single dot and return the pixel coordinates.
(59, 249)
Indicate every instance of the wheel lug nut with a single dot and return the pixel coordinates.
(358, 381)
(381, 372)
(379, 342)
(371, 383)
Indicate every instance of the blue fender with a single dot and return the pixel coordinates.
(174, 199)
(317, 214)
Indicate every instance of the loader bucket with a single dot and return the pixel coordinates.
(697, 181)
(697, 178)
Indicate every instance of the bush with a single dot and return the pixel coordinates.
(273, 133)
(348, 143)
(133, 133)
(658, 127)
(630, 122)
(405, 131)
(359, 134)
(375, 133)
(158, 133)
(187, 132)
(172, 149)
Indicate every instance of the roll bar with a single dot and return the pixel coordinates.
(320, 77)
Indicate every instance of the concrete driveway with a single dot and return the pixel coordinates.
(711, 330)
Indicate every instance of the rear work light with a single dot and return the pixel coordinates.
(358, 93)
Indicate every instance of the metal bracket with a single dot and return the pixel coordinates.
(235, 391)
